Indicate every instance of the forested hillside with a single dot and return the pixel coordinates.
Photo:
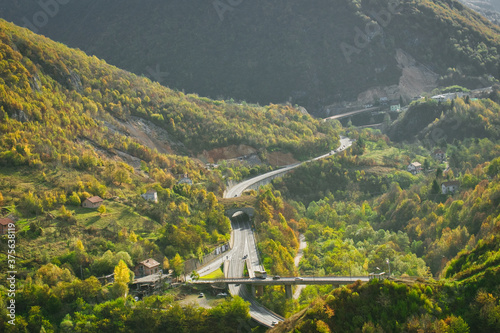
(488, 8)
(309, 53)
(362, 213)
(73, 128)
(436, 122)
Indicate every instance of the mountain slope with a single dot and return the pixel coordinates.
(488, 8)
(113, 95)
(312, 54)
(457, 119)
(72, 127)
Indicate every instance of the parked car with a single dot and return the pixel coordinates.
(201, 295)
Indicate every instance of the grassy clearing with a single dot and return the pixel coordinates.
(117, 216)
(58, 237)
(380, 156)
(218, 274)
(395, 156)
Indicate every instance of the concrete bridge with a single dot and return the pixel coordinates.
(258, 283)
(352, 113)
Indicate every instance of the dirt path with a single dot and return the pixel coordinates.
(297, 258)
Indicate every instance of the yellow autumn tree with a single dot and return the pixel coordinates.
(122, 273)
(122, 278)
(166, 264)
(178, 265)
(132, 237)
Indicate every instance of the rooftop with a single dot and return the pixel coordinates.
(150, 263)
(5, 221)
(95, 199)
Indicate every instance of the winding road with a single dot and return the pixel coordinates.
(244, 248)
(238, 189)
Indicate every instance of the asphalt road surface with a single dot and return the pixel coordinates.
(245, 247)
(236, 190)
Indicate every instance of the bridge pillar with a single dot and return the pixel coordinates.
(253, 290)
(260, 290)
(288, 291)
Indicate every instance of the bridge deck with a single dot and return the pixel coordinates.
(289, 280)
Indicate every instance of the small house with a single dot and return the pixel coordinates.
(185, 180)
(147, 267)
(414, 168)
(150, 195)
(4, 225)
(450, 187)
(449, 96)
(439, 155)
(93, 202)
(395, 106)
(384, 100)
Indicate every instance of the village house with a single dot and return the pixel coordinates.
(439, 155)
(150, 195)
(449, 96)
(450, 187)
(93, 202)
(4, 225)
(147, 267)
(414, 168)
(185, 180)
(395, 106)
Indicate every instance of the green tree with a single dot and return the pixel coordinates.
(493, 168)
(65, 214)
(66, 325)
(439, 173)
(457, 325)
(74, 199)
(436, 189)
(37, 322)
(122, 176)
(194, 276)
(427, 165)
(102, 209)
